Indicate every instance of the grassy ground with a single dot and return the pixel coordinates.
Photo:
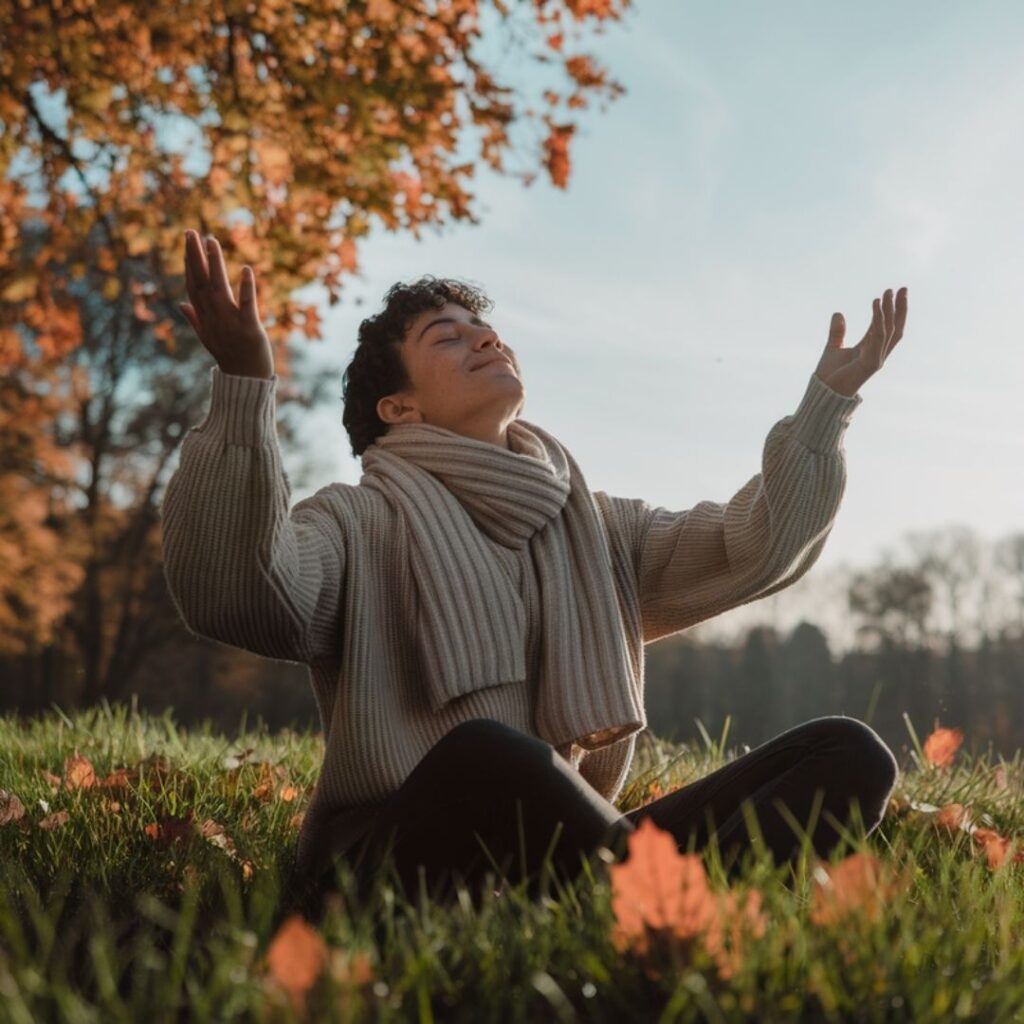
(144, 872)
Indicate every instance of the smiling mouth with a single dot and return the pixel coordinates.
(500, 361)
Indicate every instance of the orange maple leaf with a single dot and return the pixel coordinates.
(941, 746)
(658, 888)
(296, 957)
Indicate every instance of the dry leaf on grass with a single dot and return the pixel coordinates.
(941, 746)
(11, 808)
(661, 892)
(295, 959)
(858, 886)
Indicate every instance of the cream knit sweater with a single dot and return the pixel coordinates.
(328, 585)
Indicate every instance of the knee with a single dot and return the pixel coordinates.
(866, 750)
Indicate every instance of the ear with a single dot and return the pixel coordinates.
(397, 408)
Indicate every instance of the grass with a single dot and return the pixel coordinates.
(102, 920)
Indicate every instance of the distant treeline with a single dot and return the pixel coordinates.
(770, 682)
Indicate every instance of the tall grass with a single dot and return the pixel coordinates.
(104, 920)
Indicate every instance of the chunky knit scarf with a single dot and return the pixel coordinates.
(471, 620)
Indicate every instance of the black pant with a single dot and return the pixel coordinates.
(486, 779)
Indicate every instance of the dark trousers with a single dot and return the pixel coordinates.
(487, 783)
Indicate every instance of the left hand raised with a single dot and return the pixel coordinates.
(845, 369)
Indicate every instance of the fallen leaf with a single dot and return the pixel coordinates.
(121, 778)
(11, 808)
(953, 817)
(858, 885)
(53, 780)
(658, 888)
(78, 772)
(288, 794)
(730, 926)
(295, 958)
(995, 846)
(55, 820)
(941, 746)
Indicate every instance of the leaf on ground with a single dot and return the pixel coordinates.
(729, 927)
(55, 820)
(941, 746)
(266, 784)
(859, 885)
(11, 808)
(997, 847)
(954, 816)
(658, 888)
(78, 772)
(295, 958)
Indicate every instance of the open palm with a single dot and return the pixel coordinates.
(846, 369)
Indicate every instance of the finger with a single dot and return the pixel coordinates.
(218, 271)
(196, 279)
(247, 293)
(887, 314)
(836, 331)
(901, 314)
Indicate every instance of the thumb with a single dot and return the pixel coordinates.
(836, 331)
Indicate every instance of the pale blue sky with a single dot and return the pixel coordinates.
(769, 163)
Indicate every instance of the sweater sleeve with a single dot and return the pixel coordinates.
(240, 569)
(696, 564)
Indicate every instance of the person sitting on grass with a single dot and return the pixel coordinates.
(474, 616)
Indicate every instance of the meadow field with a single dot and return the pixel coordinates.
(147, 877)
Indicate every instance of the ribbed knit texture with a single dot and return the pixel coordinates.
(453, 491)
(329, 585)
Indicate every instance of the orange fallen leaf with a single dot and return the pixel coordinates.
(295, 958)
(953, 817)
(53, 780)
(858, 885)
(995, 847)
(11, 808)
(55, 820)
(657, 888)
(729, 926)
(121, 778)
(78, 772)
(295, 821)
(941, 746)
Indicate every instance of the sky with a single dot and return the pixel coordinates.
(767, 165)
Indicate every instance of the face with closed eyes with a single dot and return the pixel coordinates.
(464, 377)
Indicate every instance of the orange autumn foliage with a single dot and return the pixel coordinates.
(314, 123)
(659, 892)
(941, 746)
(859, 885)
(296, 957)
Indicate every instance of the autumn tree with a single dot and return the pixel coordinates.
(291, 131)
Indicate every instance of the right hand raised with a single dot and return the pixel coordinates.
(231, 332)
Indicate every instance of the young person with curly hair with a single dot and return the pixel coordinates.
(474, 616)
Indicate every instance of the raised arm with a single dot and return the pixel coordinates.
(695, 564)
(242, 569)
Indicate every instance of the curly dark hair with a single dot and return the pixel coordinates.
(377, 368)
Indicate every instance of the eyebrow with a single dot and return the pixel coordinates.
(452, 320)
